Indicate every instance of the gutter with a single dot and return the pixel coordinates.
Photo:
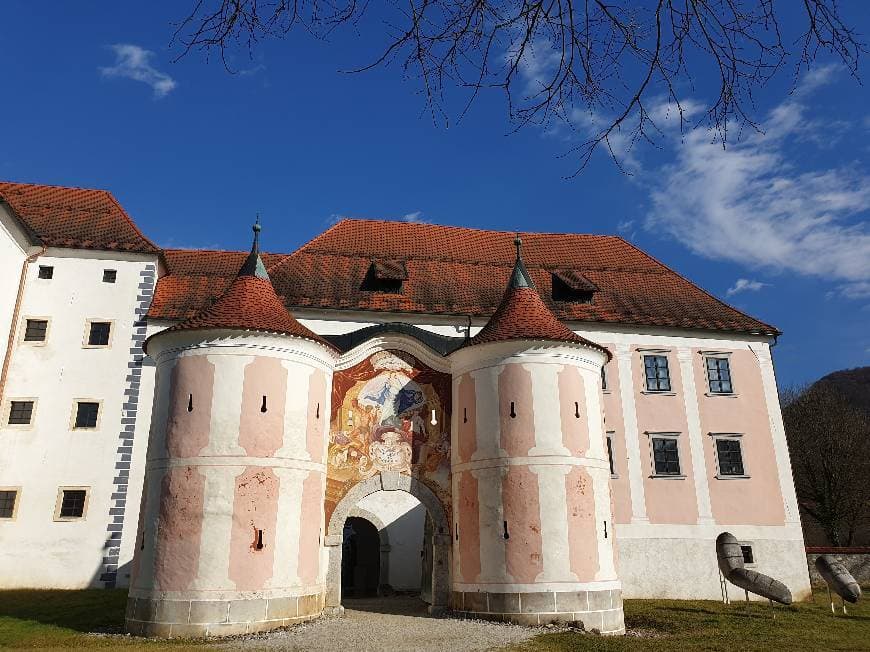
(13, 326)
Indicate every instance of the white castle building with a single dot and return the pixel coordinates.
(529, 430)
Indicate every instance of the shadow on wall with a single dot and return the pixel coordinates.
(406, 549)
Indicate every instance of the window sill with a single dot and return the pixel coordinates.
(606, 391)
(68, 519)
(719, 476)
(614, 476)
(722, 394)
(96, 346)
(667, 477)
(649, 391)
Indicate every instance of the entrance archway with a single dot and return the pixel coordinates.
(440, 536)
(360, 558)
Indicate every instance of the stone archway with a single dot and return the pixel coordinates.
(389, 481)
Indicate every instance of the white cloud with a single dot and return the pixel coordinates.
(133, 62)
(752, 204)
(745, 285)
(416, 216)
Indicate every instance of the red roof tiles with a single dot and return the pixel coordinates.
(457, 271)
(75, 218)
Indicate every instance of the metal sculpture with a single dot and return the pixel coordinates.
(839, 579)
(730, 558)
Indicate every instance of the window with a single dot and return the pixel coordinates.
(658, 378)
(729, 456)
(718, 375)
(666, 456)
(748, 556)
(46, 271)
(35, 330)
(87, 414)
(8, 503)
(610, 454)
(20, 413)
(110, 275)
(603, 379)
(72, 503)
(99, 332)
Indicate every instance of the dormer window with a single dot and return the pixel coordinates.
(386, 276)
(571, 286)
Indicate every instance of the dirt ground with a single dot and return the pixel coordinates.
(396, 624)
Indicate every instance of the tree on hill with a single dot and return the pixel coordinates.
(829, 442)
(600, 67)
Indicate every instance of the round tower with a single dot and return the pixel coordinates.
(533, 534)
(231, 524)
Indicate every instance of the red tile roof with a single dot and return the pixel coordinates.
(249, 303)
(455, 270)
(75, 218)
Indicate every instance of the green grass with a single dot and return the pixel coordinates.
(62, 619)
(707, 625)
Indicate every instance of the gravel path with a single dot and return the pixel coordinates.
(397, 624)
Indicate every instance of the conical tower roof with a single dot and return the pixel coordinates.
(250, 304)
(523, 315)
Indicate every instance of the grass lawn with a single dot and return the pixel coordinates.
(707, 625)
(58, 619)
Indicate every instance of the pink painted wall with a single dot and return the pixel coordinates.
(187, 433)
(518, 433)
(582, 536)
(180, 529)
(255, 506)
(522, 511)
(317, 419)
(467, 431)
(309, 533)
(137, 549)
(572, 401)
(262, 433)
(613, 421)
(745, 413)
(667, 500)
(469, 527)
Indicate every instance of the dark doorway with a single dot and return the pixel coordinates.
(360, 558)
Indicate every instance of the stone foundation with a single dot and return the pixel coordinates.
(205, 618)
(601, 610)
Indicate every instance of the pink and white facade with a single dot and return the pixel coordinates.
(552, 490)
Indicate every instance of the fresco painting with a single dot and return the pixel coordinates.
(390, 412)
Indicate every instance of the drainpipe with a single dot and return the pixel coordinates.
(13, 327)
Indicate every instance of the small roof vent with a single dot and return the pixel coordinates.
(571, 286)
(385, 275)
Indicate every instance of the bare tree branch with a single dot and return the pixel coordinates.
(595, 66)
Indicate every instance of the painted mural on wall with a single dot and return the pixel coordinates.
(390, 412)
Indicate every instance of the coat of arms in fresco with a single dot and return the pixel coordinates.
(389, 414)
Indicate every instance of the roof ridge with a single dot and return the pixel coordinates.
(463, 228)
(51, 185)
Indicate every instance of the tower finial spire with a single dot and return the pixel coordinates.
(255, 247)
(518, 243)
(253, 265)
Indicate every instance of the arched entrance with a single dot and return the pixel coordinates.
(439, 534)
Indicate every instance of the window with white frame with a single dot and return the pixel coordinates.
(86, 415)
(8, 502)
(718, 374)
(20, 412)
(72, 503)
(656, 372)
(665, 454)
(99, 333)
(35, 330)
(729, 455)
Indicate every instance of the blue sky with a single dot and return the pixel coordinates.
(193, 153)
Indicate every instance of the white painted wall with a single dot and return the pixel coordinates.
(403, 517)
(36, 550)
